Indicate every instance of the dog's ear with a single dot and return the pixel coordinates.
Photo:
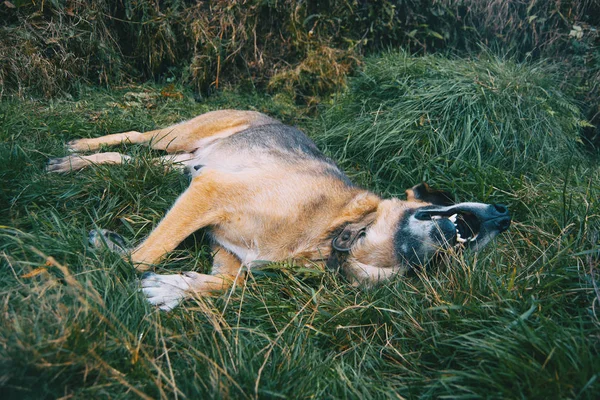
(345, 239)
(423, 192)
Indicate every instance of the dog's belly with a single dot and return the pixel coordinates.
(266, 147)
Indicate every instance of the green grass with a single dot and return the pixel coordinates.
(404, 116)
(518, 320)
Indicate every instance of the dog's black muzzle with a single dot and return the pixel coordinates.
(475, 223)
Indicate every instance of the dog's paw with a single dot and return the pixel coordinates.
(165, 291)
(81, 145)
(103, 238)
(65, 164)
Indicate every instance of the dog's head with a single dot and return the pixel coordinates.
(403, 234)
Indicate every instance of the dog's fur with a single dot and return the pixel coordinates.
(267, 193)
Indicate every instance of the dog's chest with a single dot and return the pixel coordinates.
(253, 237)
(247, 253)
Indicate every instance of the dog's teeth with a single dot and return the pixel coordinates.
(452, 218)
(473, 238)
(459, 238)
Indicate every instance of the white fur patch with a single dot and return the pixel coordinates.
(246, 254)
(166, 291)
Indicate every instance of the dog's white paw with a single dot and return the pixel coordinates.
(103, 238)
(165, 291)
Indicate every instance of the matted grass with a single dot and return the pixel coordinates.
(518, 320)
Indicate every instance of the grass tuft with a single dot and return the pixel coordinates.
(405, 114)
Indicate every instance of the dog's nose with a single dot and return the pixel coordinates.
(501, 209)
(502, 223)
(501, 217)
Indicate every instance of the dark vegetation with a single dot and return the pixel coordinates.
(306, 49)
(496, 101)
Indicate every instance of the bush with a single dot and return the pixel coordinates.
(312, 46)
(306, 48)
(403, 113)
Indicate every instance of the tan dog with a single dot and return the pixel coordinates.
(267, 193)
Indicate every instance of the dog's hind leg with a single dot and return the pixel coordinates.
(92, 144)
(167, 291)
(76, 162)
(186, 136)
(159, 139)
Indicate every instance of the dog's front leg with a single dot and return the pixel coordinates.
(197, 207)
(167, 291)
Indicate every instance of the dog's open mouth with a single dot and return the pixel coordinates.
(466, 224)
(470, 222)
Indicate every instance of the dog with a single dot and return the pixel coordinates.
(264, 191)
